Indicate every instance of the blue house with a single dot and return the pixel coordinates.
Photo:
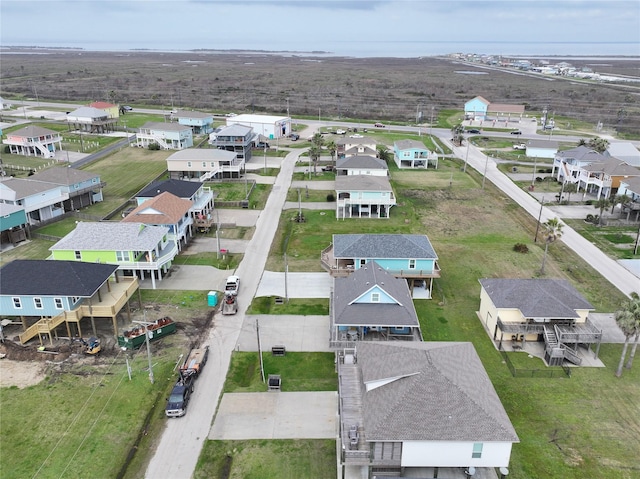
(476, 108)
(13, 224)
(413, 154)
(403, 255)
(201, 123)
(62, 292)
(372, 305)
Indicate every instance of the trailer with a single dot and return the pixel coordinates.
(230, 304)
(195, 361)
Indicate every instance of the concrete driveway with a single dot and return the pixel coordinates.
(298, 285)
(277, 415)
(295, 333)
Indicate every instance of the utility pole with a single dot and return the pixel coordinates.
(146, 336)
(431, 122)
(466, 157)
(286, 270)
(535, 238)
(287, 106)
(217, 234)
(265, 160)
(484, 176)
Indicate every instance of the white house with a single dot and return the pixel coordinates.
(200, 164)
(269, 126)
(414, 404)
(625, 151)
(541, 149)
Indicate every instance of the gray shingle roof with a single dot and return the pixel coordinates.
(581, 153)
(380, 246)
(193, 114)
(360, 162)
(32, 131)
(437, 392)
(543, 144)
(63, 175)
(235, 129)
(410, 145)
(88, 112)
(362, 183)
(24, 187)
(107, 236)
(159, 126)
(54, 278)
(402, 313)
(536, 298)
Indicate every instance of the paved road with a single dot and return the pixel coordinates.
(615, 273)
(182, 439)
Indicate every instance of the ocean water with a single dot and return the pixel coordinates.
(368, 49)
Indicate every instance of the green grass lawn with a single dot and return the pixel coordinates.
(616, 241)
(81, 419)
(300, 372)
(268, 459)
(307, 195)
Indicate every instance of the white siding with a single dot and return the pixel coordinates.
(454, 454)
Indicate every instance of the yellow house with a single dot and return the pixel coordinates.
(552, 311)
(109, 108)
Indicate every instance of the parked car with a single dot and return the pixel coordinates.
(520, 146)
(340, 131)
(294, 137)
(516, 132)
(230, 115)
(378, 125)
(356, 136)
(475, 131)
(127, 108)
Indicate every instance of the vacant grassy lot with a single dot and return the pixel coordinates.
(126, 172)
(267, 459)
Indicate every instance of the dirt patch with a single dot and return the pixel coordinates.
(21, 373)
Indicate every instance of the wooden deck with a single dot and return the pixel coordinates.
(351, 414)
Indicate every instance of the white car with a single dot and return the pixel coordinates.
(357, 135)
(340, 132)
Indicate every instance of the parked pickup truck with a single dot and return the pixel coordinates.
(232, 285)
(520, 146)
(195, 361)
(180, 395)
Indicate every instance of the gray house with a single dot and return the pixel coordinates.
(407, 405)
(372, 305)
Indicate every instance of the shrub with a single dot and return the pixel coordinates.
(331, 197)
(154, 146)
(539, 179)
(520, 248)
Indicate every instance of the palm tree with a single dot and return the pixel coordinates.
(622, 199)
(383, 153)
(314, 153)
(457, 131)
(570, 188)
(627, 323)
(332, 148)
(601, 204)
(598, 144)
(633, 305)
(553, 232)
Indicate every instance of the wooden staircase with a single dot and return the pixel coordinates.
(555, 352)
(45, 325)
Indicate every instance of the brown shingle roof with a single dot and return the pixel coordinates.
(164, 209)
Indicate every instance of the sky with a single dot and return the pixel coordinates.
(350, 27)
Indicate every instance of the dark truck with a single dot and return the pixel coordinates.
(180, 394)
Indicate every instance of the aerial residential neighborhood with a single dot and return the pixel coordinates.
(436, 299)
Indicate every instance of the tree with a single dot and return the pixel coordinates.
(627, 320)
(553, 232)
(332, 148)
(570, 188)
(601, 204)
(582, 142)
(598, 144)
(621, 199)
(383, 153)
(634, 306)
(314, 153)
(457, 132)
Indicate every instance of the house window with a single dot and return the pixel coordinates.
(477, 450)
(188, 164)
(37, 303)
(213, 165)
(78, 255)
(58, 303)
(17, 303)
(122, 256)
(75, 299)
(375, 297)
(204, 164)
(412, 264)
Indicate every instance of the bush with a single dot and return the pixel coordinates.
(520, 248)
(539, 179)
(331, 197)
(154, 146)
(588, 202)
